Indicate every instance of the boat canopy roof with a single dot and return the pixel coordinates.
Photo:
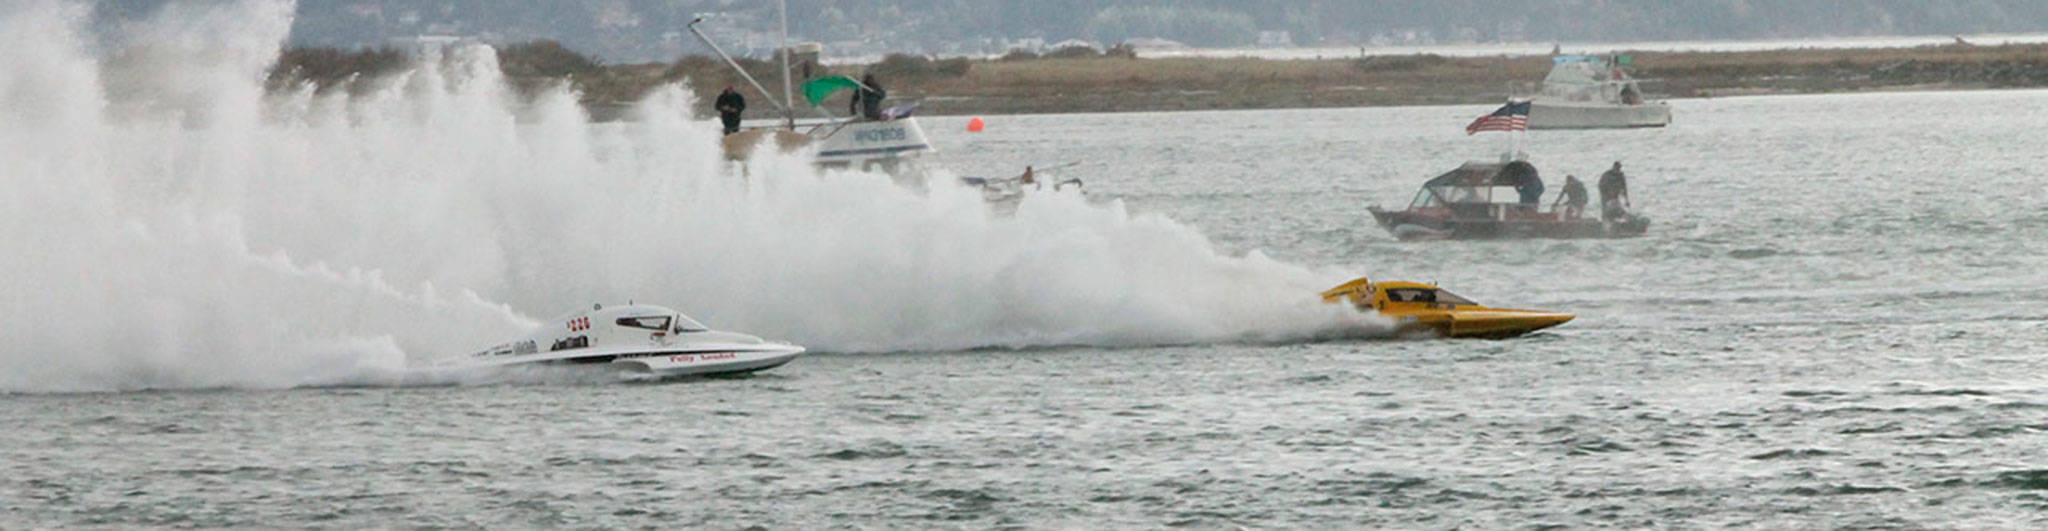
(1482, 174)
(1473, 183)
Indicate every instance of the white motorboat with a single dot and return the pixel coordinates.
(889, 141)
(640, 338)
(1004, 194)
(1593, 92)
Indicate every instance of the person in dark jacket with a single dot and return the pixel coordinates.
(730, 104)
(867, 99)
(1613, 193)
(1528, 185)
(1573, 198)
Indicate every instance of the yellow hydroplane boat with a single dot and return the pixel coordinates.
(1418, 307)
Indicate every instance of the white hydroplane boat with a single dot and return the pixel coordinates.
(641, 338)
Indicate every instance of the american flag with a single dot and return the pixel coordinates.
(1511, 117)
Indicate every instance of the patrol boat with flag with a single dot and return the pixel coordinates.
(1485, 200)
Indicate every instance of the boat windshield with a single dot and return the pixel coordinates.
(650, 322)
(1447, 297)
(685, 324)
(1423, 199)
(1427, 295)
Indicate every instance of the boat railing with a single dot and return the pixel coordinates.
(835, 126)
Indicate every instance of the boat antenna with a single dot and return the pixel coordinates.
(788, 101)
(736, 68)
(1515, 143)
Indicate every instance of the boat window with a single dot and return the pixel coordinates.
(1411, 295)
(650, 322)
(1453, 298)
(1427, 295)
(1423, 199)
(1467, 194)
(685, 324)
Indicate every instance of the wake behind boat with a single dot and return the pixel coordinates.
(639, 338)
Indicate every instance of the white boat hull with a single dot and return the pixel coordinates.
(857, 142)
(664, 361)
(1560, 115)
(674, 363)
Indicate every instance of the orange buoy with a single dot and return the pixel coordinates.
(975, 125)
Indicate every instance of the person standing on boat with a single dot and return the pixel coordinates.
(1574, 198)
(867, 98)
(1528, 185)
(1613, 193)
(730, 104)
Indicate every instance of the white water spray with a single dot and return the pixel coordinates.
(170, 225)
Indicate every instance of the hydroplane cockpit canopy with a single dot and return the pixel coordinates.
(1427, 295)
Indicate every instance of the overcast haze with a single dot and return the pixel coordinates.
(644, 30)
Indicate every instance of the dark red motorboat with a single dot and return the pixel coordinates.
(1483, 200)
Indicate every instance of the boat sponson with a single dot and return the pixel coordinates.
(1502, 323)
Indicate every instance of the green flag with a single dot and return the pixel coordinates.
(818, 89)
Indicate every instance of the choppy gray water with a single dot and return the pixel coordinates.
(1837, 320)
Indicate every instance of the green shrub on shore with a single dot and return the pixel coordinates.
(1073, 52)
(546, 59)
(1398, 63)
(333, 68)
(905, 66)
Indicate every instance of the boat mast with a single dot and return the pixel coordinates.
(788, 101)
(736, 66)
(1515, 139)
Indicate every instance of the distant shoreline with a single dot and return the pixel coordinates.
(1544, 48)
(1123, 85)
(1093, 83)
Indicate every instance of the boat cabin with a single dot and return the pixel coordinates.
(1591, 79)
(633, 324)
(1411, 295)
(1476, 190)
(1365, 294)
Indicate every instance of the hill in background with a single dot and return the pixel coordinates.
(652, 30)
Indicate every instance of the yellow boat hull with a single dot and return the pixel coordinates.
(1483, 324)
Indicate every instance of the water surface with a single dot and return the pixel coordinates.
(1836, 320)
